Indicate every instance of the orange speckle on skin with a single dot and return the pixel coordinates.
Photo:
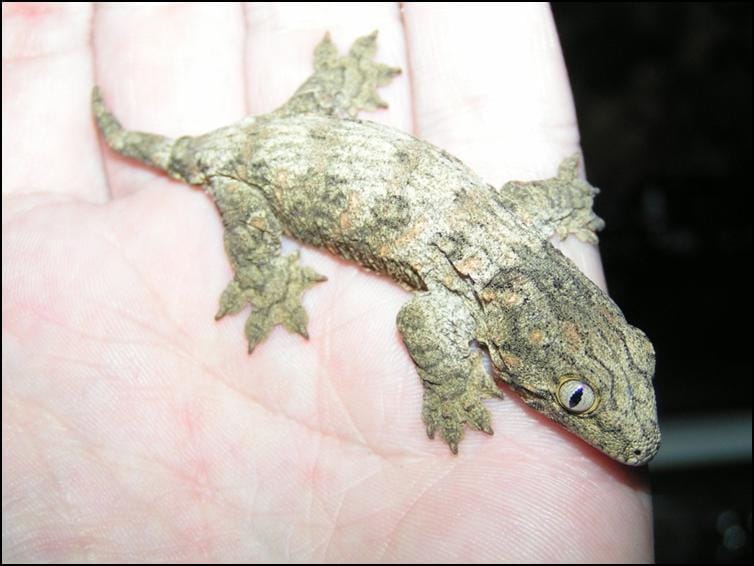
(281, 178)
(345, 216)
(469, 265)
(411, 232)
(607, 314)
(345, 221)
(571, 334)
(278, 192)
(511, 298)
(488, 295)
(258, 222)
(511, 361)
(536, 336)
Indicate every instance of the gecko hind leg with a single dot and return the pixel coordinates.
(342, 86)
(272, 284)
(437, 329)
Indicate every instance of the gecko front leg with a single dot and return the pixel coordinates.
(437, 329)
(270, 282)
(559, 206)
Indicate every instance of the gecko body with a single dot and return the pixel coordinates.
(477, 257)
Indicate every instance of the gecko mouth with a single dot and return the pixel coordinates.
(533, 399)
(639, 455)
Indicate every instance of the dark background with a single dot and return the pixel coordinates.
(663, 94)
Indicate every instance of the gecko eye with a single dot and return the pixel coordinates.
(576, 396)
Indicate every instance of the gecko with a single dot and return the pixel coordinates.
(486, 279)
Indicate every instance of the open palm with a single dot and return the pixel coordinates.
(135, 428)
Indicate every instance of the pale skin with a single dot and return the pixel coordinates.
(135, 427)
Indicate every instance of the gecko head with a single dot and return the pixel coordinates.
(566, 348)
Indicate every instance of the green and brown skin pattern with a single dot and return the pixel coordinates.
(485, 275)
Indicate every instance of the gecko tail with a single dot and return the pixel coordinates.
(151, 149)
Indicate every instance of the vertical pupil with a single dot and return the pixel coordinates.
(576, 397)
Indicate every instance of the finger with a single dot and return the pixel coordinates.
(491, 87)
(490, 84)
(281, 40)
(48, 141)
(169, 69)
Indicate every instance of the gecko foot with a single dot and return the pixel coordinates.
(373, 75)
(451, 403)
(342, 86)
(274, 290)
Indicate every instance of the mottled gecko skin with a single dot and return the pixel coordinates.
(478, 257)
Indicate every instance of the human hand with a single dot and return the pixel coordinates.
(137, 429)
